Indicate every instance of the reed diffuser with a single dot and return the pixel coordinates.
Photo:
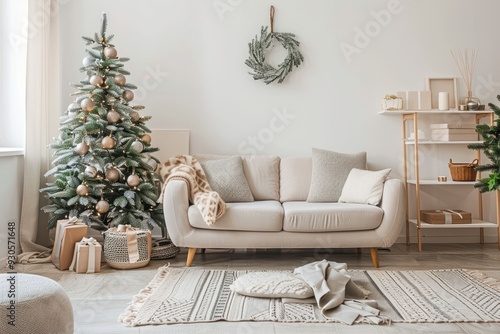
(466, 64)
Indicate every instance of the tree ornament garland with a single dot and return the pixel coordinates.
(260, 46)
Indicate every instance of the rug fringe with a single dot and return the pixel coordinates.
(130, 314)
(483, 278)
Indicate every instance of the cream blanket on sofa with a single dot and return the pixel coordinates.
(188, 169)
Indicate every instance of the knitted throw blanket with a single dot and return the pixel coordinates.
(188, 169)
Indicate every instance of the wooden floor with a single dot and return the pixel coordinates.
(98, 299)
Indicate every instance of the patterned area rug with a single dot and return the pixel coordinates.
(178, 295)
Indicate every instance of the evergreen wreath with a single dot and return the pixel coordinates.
(258, 48)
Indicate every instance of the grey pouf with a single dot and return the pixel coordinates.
(35, 304)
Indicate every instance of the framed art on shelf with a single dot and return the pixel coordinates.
(436, 85)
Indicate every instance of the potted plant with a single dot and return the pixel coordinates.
(491, 148)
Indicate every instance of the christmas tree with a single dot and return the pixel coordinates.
(491, 148)
(104, 173)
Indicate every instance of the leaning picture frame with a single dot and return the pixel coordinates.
(436, 85)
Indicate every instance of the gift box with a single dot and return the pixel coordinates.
(87, 256)
(446, 216)
(68, 233)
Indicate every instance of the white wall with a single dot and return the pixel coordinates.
(188, 57)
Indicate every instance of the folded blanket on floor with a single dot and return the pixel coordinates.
(338, 297)
(188, 169)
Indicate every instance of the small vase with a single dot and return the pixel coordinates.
(470, 101)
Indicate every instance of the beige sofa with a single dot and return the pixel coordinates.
(281, 217)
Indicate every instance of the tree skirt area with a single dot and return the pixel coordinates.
(180, 296)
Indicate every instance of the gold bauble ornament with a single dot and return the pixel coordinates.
(134, 116)
(96, 80)
(128, 95)
(120, 80)
(110, 99)
(133, 180)
(112, 175)
(102, 206)
(113, 116)
(82, 190)
(108, 143)
(87, 104)
(90, 171)
(82, 148)
(110, 52)
(146, 138)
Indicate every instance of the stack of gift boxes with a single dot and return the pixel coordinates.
(454, 132)
(73, 250)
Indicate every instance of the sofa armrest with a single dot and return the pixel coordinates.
(394, 206)
(175, 210)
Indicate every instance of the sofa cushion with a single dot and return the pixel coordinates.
(261, 172)
(364, 186)
(226, 177)
(247, 216)
(295, 178)
(329, 217)
(329, 173)
(263, 176)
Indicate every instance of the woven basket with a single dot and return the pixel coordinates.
(163, 249)
(463, 171)
(116, 250)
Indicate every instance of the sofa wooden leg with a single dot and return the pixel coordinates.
(374, 253)
(190, 257)
(203, 250)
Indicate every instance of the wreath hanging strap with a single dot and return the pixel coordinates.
(262, 70)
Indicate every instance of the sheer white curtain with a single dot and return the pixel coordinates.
(42, 116)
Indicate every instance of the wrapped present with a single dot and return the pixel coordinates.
(87, 256)
(126, 247)
(446, 216)
(68, 233)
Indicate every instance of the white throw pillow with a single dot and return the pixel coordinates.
(364, 186)
(272, 284)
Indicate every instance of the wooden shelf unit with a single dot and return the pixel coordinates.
(413, 116)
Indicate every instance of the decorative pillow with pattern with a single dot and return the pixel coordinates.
(272, 284)
(226, 177)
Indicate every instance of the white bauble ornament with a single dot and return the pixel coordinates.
(108, 143)
(133, 180)
(87, 61)
(96, 80)
(146, 138)
(82, 190)
(110, 52)
(152, 163)
(137, 146)
(82, 148)
(112, 175)
(87, 104)
(90, 171)
(102, 206)
(134, 116)
(120, 80)
(128, 95)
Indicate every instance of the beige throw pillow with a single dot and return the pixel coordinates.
(364, 186)
(329, 173)
(226, 177)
